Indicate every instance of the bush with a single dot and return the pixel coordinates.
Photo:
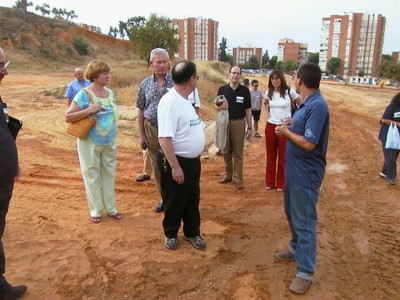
(81, 46)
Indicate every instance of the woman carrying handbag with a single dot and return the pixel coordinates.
(98, 151)
(390, 122)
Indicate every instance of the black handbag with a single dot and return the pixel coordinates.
(15, 126)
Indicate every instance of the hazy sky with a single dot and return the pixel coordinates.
(259, 23)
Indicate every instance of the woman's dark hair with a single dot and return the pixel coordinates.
(396, 99)
(283, 86)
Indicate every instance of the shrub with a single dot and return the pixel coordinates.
(81, 46)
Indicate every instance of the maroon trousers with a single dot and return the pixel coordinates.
(276, 147)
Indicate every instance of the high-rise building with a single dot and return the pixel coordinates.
(242, 55)
(396, 56)
(290, 50)
(198, 38)
(355, 38)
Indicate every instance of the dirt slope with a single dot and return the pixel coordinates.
(53, 248)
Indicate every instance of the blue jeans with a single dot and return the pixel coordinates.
(301, 211)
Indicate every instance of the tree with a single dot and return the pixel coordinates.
(122, 29)
(265, 60)
(253, 63)
(157, 32)
(386, 57)
(58, 13)
(333, 65)
(113, 31)
(313, 57)
(289, 66)
(222, 51)
(44, 9)
(279, 66)
(70, 14)
(389, 69)
(273, 61)
(23, 4)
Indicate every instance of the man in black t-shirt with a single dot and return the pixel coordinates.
(239, 107)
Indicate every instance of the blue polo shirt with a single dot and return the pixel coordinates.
(311, 121)
(74, 87)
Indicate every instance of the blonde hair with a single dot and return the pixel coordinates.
(95, 68)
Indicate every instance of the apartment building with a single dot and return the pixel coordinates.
(290, 50)
(396, 57)
(242, 55)
(355, 38)
(198, 38)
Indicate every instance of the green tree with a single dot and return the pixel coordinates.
(253, 62)
(222, 50)
(23, 4)
(265, 60)
(81, 45)
(386, 57)
(313, 57)
(289, 66)
(44, 9)
(389, 69)
(113, 31)
(279, 66)
(58, 13)
(157, 32)
(69, 14)
(273, 61)
(333, 65)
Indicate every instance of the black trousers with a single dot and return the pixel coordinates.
(6, 189)
(181, 201)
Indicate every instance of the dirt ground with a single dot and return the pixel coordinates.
(52, 246)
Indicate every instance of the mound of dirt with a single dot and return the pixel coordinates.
(53, 40)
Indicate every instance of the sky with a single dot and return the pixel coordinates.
(257, 23)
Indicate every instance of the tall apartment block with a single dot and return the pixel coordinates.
(198, 38)
(355, 38)
(290, 50)
(242, 55)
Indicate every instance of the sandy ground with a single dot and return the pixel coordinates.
(53, 247)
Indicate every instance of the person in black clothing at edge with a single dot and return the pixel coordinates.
(8, 172)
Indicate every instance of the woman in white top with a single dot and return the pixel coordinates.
(278, 102)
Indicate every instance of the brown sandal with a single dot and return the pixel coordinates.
(95, 220)
(117, 216)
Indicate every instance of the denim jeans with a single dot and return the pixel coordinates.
(301, 211)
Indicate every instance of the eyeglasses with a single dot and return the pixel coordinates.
(235, 73)
(4, 65)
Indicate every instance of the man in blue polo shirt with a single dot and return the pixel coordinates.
(305, 168)
(76, 85)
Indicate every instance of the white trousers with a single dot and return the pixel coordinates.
(98, 166)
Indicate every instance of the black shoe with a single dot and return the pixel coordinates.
(159, 207)
(142, 177)
(15, 292)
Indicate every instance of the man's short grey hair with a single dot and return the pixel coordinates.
(158, 51)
